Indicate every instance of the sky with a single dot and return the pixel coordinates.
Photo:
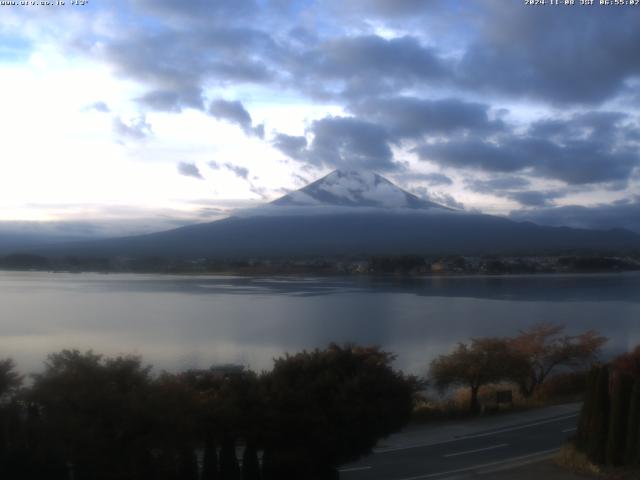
(129, 116)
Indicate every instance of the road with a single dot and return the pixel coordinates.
(477, 452)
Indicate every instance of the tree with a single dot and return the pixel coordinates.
(484, 361)
(632, 454)
(10, 380)
(229, 468)
(93, 412)
(583, 433)
(250, 463)
(622, 385)
(546, 349)
(328, 407)
(210, 461)
(598, 426)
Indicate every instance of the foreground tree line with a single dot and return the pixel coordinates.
(86, 416)
(92, 417)
(526, 360)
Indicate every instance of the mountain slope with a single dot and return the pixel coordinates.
(355, 189)
(357, 234)
(351, 213)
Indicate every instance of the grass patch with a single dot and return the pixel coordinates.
(570, 458)
(563, 388)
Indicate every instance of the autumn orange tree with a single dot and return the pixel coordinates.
(547, 348)
(483, 361)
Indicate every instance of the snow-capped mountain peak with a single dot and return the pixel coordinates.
(352, 188)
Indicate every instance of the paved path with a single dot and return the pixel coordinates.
(459, 449)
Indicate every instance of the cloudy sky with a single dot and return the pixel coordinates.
(145, 114)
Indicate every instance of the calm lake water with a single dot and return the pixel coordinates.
(178, 322)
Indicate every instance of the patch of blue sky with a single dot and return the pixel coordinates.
(14, 49)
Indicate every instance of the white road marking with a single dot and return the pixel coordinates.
(484, 465)
(493, 447)
(355, 469)
(477, 435)
(572, 429)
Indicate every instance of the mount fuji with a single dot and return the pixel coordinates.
(356, 213)
(354, 189)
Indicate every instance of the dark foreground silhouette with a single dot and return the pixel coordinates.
(92, 417)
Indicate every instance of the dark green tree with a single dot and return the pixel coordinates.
(250, 464)
(229, 468)
(632, 445)
(92, 412)
(328, 407)
(187, 464)
(618, 417)
(210, 461)
(599, 422)
(583, 433)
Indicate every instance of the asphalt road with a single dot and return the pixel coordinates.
(482, 451)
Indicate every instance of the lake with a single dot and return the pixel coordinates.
(178, 322)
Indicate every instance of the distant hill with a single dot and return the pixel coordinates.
(354, 213)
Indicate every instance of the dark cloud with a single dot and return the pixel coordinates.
(586, 148)
(136, 129)
(358, 66)
(436, 179)
(172, 101)
(440, 198)
(501, 50)
(533, 198)
(189, 170)
(198, 10)
(391, 7)
(240, 172)
(512, 187)
(584, 63)
(234, 112)
(291, 146)
(411, 117)
(497, 184)
(604, 125)
(432, 179)
(163, 59)
(343, 143)
(475, 153)
(605, 216)
(572, 59)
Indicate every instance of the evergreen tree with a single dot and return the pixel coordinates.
(250, 464)
(583, 433)
(632, 449)
(229, 468)
(618, 416)
(268, 472)
(598, 426)
(210, 461)
(188, 465)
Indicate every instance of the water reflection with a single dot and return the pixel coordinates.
(178, 322)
